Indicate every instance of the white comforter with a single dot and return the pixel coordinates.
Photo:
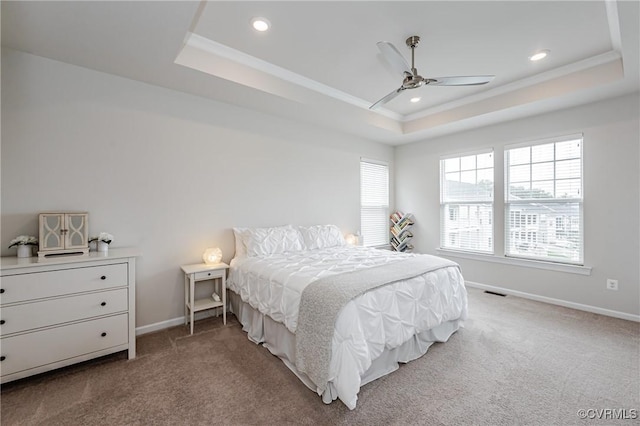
(385, 317)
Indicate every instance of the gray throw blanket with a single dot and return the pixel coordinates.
(322, 300)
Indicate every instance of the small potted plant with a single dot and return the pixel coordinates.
(102, 240)
(23, 243)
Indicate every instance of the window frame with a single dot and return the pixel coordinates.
(508, 203)
(445, 206)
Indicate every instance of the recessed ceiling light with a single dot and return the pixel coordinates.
(539, 55)
(260, 24)
(416, 99)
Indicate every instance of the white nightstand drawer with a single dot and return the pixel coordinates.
(38, 285)
(209, 275)
(43, 313)
(25, 351)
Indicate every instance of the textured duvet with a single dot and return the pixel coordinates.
(382, 318)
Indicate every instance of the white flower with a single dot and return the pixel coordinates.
(103, 236)
(23, 240)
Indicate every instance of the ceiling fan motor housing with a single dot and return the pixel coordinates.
(413, 82)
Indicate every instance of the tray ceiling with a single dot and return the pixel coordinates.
(319, 62)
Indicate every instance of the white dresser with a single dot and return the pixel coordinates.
(58, 311)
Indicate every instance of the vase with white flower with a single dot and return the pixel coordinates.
(102, 241)
(24, 244)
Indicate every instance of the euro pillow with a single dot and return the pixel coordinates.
(266, 241)
(321, 236)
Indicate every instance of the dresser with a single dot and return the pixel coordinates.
(59, 311)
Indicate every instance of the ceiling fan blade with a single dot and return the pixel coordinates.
(470, 80)
(394, 57)
(387, 98)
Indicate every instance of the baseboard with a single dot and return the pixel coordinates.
(157, 326)
(559, 302)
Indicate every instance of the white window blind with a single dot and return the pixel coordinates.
(466, 202)
(374, 203)
(543, 200)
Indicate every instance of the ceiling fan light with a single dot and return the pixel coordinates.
(539, 55)
(260, 24)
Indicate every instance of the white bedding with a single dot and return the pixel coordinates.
(382, 318)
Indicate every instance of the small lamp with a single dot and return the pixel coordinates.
(212, 256)
(351, 239)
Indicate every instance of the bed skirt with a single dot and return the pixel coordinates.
(281, 342)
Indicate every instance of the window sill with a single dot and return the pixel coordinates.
(549, 266)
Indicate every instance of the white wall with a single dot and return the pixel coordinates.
(161, 170)
(611, 206)
(171, 173)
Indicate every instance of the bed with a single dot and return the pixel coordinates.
(340, 316)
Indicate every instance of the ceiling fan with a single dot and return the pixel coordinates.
(412, 79)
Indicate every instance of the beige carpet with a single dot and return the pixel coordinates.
(515, 362)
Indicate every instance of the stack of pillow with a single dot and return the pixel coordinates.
(288, 238)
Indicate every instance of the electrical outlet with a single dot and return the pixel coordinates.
(612, 284)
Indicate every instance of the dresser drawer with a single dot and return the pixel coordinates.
(38, 285)
(43, 313)
(36, 349)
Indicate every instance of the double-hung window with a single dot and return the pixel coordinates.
(374, 202)
(543, 200)
(466, 202)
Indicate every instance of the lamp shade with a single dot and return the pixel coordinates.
(212, 255)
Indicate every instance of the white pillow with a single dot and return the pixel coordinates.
(240, 235)
(321, 236)
(265, 241)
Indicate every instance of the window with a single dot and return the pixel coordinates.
(466, 202)
(374, 203)
(543, 200)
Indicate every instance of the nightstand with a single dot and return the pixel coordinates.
(203, 272)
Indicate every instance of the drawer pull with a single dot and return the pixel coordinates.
(104, 334)
(209, 274)
(104, 277)
(1, 290)
(103, 304)
(2, 358)
(2, 322)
